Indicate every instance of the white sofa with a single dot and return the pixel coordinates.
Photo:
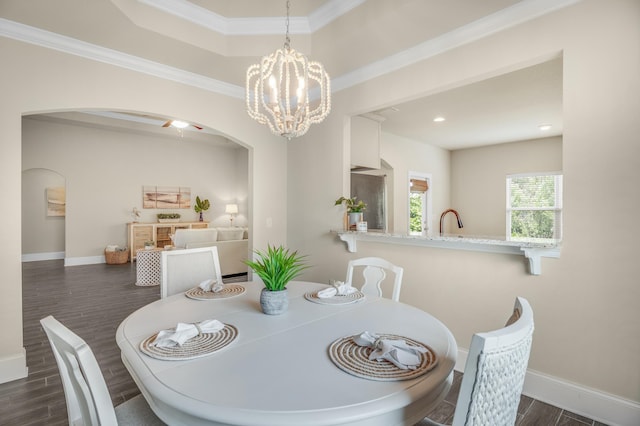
(232, 243)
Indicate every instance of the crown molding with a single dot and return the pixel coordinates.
(188, 11)
(50, 40)
(510, 17)
(506, 18)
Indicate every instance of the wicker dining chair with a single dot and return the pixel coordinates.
(85, 391)
(494, 373)
(184, 269)
(374, 273)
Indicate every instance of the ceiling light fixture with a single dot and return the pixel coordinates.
(278, 91)
(439, 119)
(179, 124)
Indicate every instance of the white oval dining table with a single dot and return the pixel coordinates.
(278, 370)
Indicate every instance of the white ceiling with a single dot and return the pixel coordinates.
(506, 108)
(210, 43)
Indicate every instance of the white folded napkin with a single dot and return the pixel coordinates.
(397, 351)
(211, 285)
(184, 332)
(339, 289)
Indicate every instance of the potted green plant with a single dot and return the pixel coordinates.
(168, 217)
(276, 267)
(355, 210)
(201, 206)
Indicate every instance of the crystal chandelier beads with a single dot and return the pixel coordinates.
(282, 87)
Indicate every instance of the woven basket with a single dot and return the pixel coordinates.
(116, 257)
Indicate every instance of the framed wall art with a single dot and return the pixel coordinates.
(166, 197)
(56, 201)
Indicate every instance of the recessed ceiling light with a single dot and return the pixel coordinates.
(438, 119)
(179, 124)
(544, 127)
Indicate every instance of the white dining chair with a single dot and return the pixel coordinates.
(494, 373)
(85, 391)
(374, 273)
(187, 268)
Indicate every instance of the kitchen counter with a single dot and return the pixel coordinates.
(532, 250)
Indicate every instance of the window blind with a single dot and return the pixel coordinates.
(418, 185)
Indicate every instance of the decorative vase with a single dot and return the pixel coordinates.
(354, 218)
(201, 219)
(274, 302)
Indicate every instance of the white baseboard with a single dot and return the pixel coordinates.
(34, 257)
(68, 261)
(596, 405)
(13, 367)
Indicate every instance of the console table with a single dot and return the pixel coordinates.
(160, 233)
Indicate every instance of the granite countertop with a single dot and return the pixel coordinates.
(457, 238)
(533, 250)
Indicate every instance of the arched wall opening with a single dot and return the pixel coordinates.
(108, 161)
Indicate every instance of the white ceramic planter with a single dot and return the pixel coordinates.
(354, 218)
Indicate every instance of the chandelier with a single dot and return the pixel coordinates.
(278, 91)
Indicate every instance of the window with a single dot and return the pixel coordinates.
(416, 212)
(418, 204)
(534, 206)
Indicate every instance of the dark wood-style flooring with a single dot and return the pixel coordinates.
(92, 300)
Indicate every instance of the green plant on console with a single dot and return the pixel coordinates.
(277, 266)
(201, 205)
(351, 204)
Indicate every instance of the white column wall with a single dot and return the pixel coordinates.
(37, 80)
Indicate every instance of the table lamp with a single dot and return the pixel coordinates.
(232, 209)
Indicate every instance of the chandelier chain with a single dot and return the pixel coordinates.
(287, 41)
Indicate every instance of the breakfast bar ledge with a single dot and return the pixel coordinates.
(533, 251)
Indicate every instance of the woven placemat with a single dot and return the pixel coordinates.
(229, 290)
(335, 300)
(354, 359)
(199, 346)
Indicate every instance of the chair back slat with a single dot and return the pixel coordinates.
(186, 268)
(86, 393)
(374, 273)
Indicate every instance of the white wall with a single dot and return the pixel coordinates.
(106, 170)
(585, 302)
(472, 181)
(478, 188)
(406, 156)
